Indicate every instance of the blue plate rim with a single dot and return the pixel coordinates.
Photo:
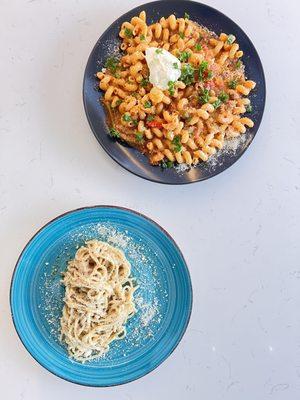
(73, 211)
(115, 158)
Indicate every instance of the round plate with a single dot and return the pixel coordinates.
(163, 298)
(132, 159)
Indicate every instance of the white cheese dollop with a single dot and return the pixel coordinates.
(163, 67)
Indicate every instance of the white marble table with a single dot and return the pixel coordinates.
(239, 231)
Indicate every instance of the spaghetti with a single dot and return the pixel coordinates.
(98, 300)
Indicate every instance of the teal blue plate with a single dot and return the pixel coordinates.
(163, 299)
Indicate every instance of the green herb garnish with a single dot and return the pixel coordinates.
(118, 102)
(230, 39)
(145, 82)
(238, 64)
(249, 108)
(112, 64)
(204, 96)
(139, 136)
(167, 164)
(181, 35)
(198, 47)
(176, 142)
(142, 37)
(158, 51)
(135, 122)
(128, 33)
(150, 118)
(187, 74)
(209, 75)
(184, 56)
(186, 15)
(148, 104)
(232, 84)
(203, 65)
(217, 103)
(114, 133)
(127, 118)
(202, 68)
(171, 86)
(223, 97)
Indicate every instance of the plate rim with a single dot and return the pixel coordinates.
(156, 180)
(120, 208)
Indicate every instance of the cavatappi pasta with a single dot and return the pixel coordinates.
(190, 121)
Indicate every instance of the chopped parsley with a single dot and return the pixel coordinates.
(176, 142)
(217, 103)
(175, 65)
(150, 118)
(181, 35)
(145, 82)
(167, 164)
(238, 64)
(148, 104)
(118, 102)
(186, 15)
(127, 118)
(249, 108)
(171, 86)
(114, 133)
(202, 68)
(204, 96)
(230, 39)
(158, 51)
(142, 37)
(112, 64)
(139, 137)
(187, 74)
(232, 84)
(135, 122)
(204, 65)
(128, 33)
(222, 98)
(183, 56)
(198, 47)
(209, 75)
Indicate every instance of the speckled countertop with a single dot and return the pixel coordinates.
(239, 231)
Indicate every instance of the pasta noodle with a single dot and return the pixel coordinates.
(98, 300)
(182, 123)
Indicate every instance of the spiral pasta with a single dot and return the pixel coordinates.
(192, 119)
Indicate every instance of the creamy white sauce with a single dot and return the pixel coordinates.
(162, 67)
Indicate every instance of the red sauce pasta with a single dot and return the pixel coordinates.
(184, 119)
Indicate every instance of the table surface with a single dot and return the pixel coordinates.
(238, 231)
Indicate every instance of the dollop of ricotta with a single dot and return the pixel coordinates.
(163, 67)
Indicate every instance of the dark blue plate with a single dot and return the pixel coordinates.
(132, 159)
